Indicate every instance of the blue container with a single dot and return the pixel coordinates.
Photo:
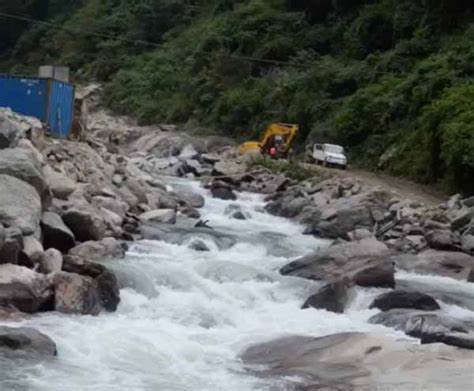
(51, 101)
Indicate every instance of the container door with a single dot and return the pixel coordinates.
(60, 108)
(27, 96)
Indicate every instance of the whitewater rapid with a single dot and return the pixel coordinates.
(185, 315)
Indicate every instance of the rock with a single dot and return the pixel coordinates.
(294, 207)
(12, 245)
(442, 240)
(190, 212)
(31, 248)
(359, 361)
(228, 168)
(235, 211)
(420, 324)
(55, 233)
(167, 216)
(24, 289)
(105, 249)
(75, 294)
(3, 235)
(223, 193)
(51, 261)
(193, 200)
(359, 234)
(105, 281)
(25, 343)
(445, 263)
(20, 205)
(21, 164)
(459, 218)
(198, 245)
(84, 223)
(61, 186)
(465, 341)
(467, 243)
(405, 299)
(468, 202)
(10, 132)
(332, 297)
(470, 277)
(366, 262)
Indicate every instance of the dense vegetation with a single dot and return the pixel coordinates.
(390, 79)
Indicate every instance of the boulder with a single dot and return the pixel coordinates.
(460, 340)
(105, 281)
(359, 361)
(442, 240)
(76, 294)
(236, 212)
(12, 246)
(51, 261)
(85, 223)
(405, 299)
(61, 186)
(23, 342)
(20, 205)
(105, 249)
(55, 233)
(366, 262)
(222, 192)
(332, 297)
(445, 263)
(193, 200)
(24, 289)
(467, 243)
(22, 164)
(31, 248)
(167, 216)
(10, 131)
(228, 168)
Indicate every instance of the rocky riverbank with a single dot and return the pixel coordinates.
(68, 209)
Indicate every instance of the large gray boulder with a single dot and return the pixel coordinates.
(105, 249)
(11, 246)
(445, 263)
(359, 361)
(76, 294)
(55, 233)
(61, 186)
(20, 205)
(366, 262)
(24, 289)
(85, 222)
(166, 216)
(10, 131)
(22, 164)
(23, 342)
(332, 297)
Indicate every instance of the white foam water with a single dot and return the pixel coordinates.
(185, 315)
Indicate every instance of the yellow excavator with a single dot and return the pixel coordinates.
(276, 141)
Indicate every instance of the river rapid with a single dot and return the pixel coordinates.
(185, 315)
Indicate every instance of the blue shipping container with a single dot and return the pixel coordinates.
(49, 100)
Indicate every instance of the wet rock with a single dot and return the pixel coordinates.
(76, 294)
(470, 277)
(190, 212)
(405, 299)
(198, 245)
(25, 343)
(21, 164)
(193, 200)
(445, 263)
(464, 341)
(235, 211)
(442, 240)
(166, 216)
(20, 205)
(55, 233)
(24, 289)
(84, 223)
(359, 361)
(223, 192)
(467, 243)
(105, 280)
(105, 249)
(294, 207)
(332, 297)
(459, 218)
(366, 262)
(11, 247)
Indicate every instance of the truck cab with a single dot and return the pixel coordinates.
(329, 155)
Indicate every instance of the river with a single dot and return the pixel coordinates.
(185, 315)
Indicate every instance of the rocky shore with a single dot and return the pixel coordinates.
(68, 209)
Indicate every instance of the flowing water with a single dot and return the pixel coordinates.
(185, 315)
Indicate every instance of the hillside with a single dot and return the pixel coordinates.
(390, 80)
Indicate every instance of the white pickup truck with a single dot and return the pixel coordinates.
(329, 155)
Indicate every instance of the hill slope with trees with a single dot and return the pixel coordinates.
(392, 80)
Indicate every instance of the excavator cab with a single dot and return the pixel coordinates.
(275, 143)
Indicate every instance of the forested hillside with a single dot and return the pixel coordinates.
(392, 80)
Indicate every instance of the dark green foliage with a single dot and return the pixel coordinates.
(385, 78)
